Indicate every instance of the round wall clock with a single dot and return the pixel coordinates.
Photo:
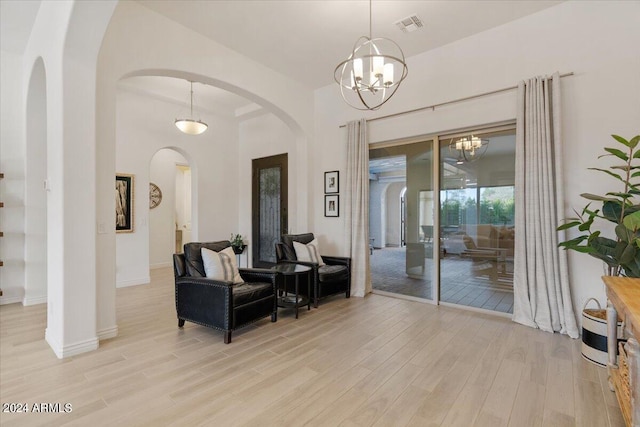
(155, 195)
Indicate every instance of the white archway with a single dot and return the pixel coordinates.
(173, 217)
(35, 287)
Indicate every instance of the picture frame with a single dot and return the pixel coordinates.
(331, 182)
(124, 202)
(332, 205)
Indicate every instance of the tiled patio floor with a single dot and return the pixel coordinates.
(465, 282)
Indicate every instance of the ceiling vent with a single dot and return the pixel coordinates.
(410, 23)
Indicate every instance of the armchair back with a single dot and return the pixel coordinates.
(193, 256)
(285, 251)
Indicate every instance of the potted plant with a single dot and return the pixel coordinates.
(621, 253)
(237, 243)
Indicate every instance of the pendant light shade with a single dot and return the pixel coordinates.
(191, 126)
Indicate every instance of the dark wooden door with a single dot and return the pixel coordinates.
(269, 207)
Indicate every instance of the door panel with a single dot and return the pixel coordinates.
(269, 207)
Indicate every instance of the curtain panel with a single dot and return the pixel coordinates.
(542, 297)
(357, 206)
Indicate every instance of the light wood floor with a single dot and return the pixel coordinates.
(373, 361)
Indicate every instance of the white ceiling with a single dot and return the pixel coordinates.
(306, 39)
(302, 39)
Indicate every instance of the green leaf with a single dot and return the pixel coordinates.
(623, 233)
(621, 195)
(632, 221)
(612, 211)
(636, 155)
(586, 225)
(573, 243)
(634, 141)
(636, 174)
(618, 153)
(568, 225)
(615, 175)
(621, 140)
(590, 196)
(627, 255)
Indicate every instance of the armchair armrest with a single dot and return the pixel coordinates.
(337, 260)
(204, 301)
(313, 265)
(258, 275)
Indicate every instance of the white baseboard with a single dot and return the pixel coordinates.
(72, 349)
(107, 333)
(160, 265)
(34, 300)
(133, 282)
(10, 300)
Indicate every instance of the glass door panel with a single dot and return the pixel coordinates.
(269, 207)
(477, 220)
(400, 216)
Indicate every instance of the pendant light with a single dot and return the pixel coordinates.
(372, 73)
(191, 126)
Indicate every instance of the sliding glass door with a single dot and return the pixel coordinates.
(400, 214)
(477, 189)
(460, 237)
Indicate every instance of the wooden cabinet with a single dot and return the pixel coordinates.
(624, 371)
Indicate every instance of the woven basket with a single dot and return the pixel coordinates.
(623, 370)
(594, 334)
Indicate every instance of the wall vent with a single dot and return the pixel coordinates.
(410, 23)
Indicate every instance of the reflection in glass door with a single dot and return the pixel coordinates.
(477, 209)
(472, 237)
(402, 259)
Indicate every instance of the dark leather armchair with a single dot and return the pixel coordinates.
(219, 304)
(332, 278)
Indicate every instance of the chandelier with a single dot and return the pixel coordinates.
(191, 126)
(469, 148)
(366, 77)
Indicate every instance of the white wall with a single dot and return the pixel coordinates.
(163, 47)
(392, 208)
(67, 36)
(12, 159)
(212, 156)
(598, 41)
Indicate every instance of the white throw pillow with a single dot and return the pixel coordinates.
(309, 252)
(221, 265)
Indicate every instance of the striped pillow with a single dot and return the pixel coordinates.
(308, 252)
(221, 265)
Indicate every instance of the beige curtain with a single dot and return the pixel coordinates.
(542, 297)
(357, 207)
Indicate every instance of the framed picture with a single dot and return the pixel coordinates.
(331, 182)
(124, 203)
(332, 205)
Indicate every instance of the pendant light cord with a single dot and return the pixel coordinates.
(191, 99)
(370, 20)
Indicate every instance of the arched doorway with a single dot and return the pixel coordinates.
(36, 187)
(170, 217)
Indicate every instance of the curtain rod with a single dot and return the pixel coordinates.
(434, 106)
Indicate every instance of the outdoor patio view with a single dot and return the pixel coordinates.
(476, 233)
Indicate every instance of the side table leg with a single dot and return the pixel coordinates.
(612, 340)
(297, 295)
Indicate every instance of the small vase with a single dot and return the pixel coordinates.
(238, 249)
